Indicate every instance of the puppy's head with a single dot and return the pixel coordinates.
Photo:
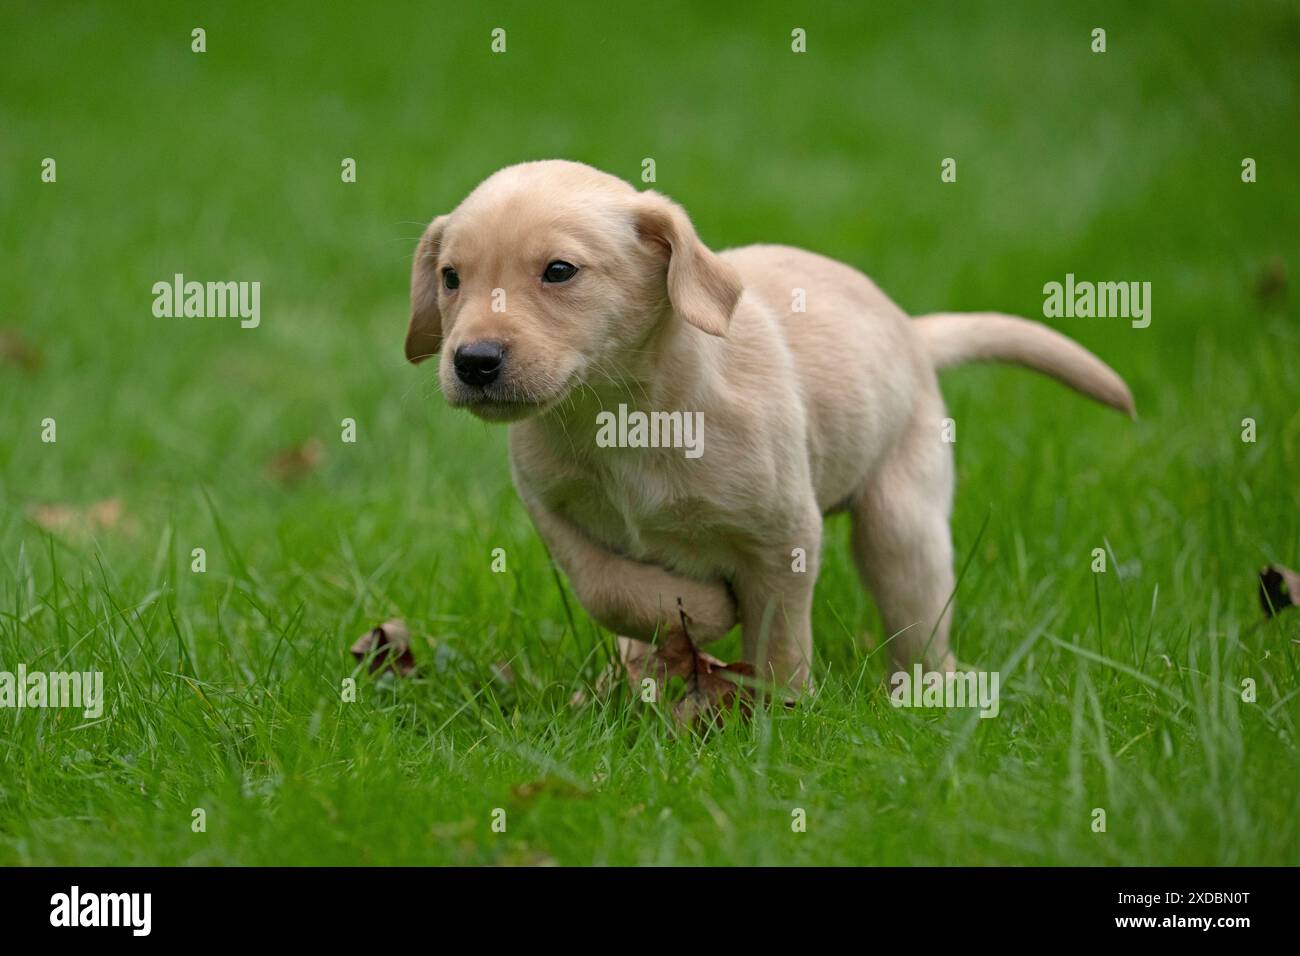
(550, 273)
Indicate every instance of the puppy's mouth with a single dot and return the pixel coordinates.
(502, 403)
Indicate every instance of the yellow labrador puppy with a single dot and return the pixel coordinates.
(566, 302)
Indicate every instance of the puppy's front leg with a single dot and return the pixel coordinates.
(775, 591)
(632, 598)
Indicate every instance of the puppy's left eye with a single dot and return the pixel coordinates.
(559, 271)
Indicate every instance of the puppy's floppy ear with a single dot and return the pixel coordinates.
(424, 335)
(702, 288)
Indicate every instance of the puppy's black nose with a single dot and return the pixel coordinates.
(479, 363)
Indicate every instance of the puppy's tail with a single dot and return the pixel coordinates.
(954, 338)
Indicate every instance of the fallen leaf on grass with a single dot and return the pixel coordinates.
(503, 672)
(79, 521)
(711, 686)
(390, 643)
(1271, 282)
(1279, 589)
(553, 786)
(17, 351)
(296, 463)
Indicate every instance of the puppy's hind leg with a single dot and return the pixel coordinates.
(902, 543)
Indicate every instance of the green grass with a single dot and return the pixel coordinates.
(1120, 690)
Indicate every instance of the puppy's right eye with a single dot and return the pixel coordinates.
(450, 280)
(559, 271)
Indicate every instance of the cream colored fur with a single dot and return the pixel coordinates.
(805, 413)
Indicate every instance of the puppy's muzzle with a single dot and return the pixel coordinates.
(479, 363)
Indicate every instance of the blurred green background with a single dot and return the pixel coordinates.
(225, 165)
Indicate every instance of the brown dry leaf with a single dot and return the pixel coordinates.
(297, 462)
(391, 644)
(15, 350)
(1279, 589)
(711, 685)
(1271, 282)
(503, 672)
(531, 790)
(77, 521)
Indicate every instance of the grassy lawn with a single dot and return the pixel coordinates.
(1120, 691)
